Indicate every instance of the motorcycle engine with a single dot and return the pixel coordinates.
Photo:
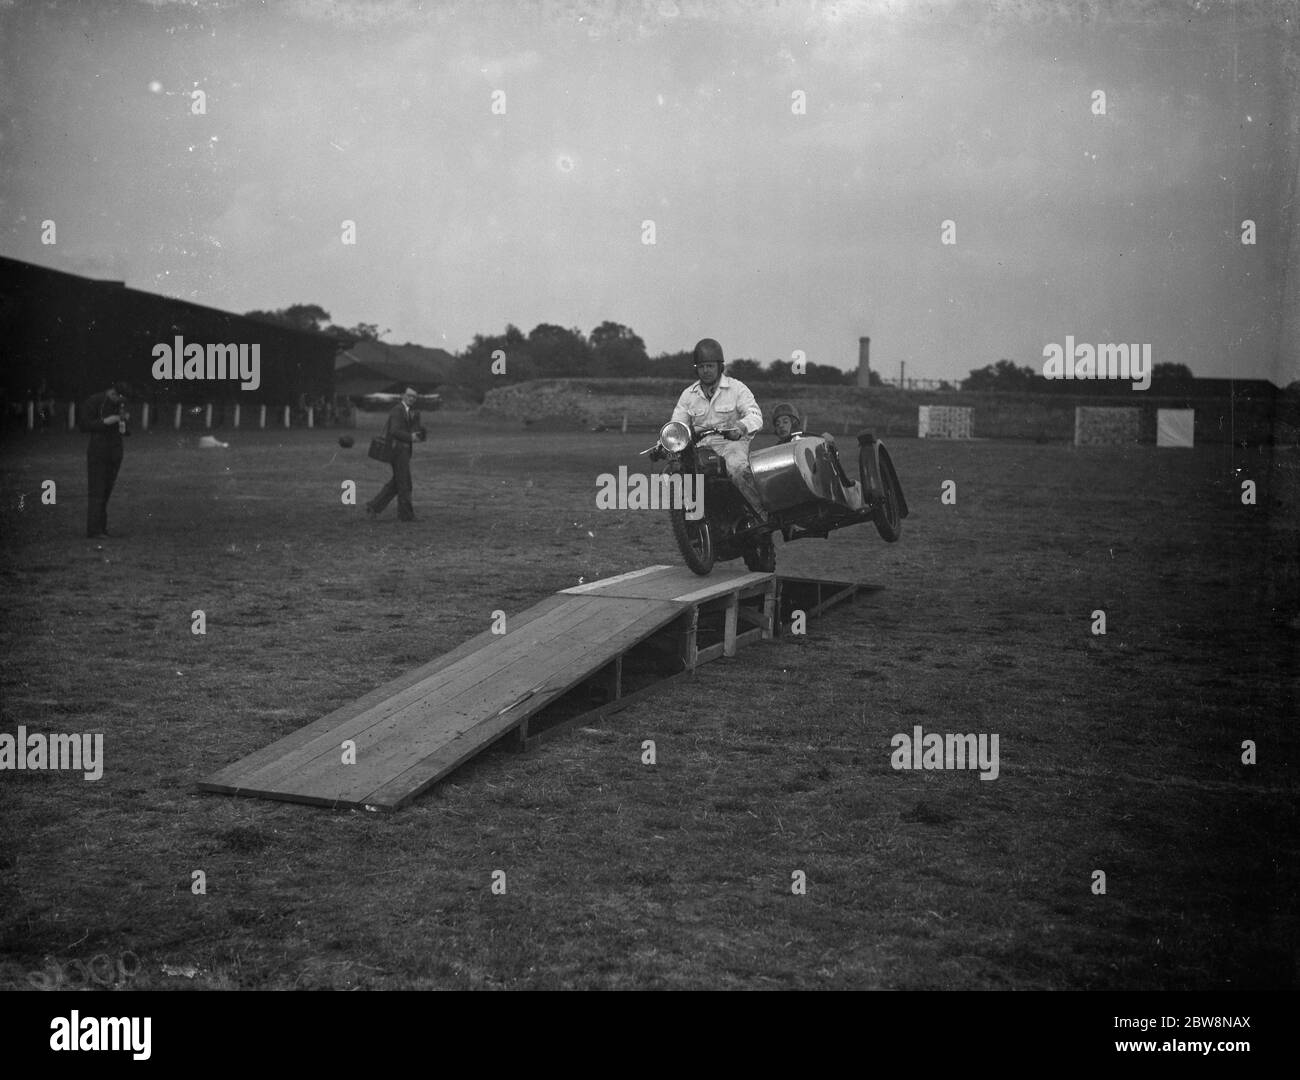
(710, 463)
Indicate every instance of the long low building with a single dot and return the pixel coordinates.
(64, 337)
(375, 367)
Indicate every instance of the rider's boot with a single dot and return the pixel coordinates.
(749, 493)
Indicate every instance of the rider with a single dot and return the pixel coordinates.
(787, 425)
(717, 400)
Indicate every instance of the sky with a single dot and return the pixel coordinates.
(500, 162)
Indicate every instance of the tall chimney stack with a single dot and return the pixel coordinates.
(864, 361)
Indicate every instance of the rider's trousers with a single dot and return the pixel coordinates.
(736, 455)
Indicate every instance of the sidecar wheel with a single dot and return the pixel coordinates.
(888, 517)
(694, 541)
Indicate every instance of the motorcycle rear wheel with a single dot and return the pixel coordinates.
(694, 541)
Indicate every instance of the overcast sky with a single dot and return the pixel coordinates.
(773, 231)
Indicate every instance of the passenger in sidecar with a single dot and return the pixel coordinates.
(787, 425)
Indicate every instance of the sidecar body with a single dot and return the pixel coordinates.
(799, 472)
(807, 490)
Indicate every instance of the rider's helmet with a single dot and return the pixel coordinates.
(785, 409)
(706, 350)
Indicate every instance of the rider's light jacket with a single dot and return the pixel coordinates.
(732, 402)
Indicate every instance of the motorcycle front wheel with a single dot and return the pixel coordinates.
(694, 541)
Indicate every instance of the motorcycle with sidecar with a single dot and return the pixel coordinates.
(804, 487)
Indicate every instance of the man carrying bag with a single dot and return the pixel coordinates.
(401, 433)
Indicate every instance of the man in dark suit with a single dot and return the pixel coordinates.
(402, 431)
(104, 418)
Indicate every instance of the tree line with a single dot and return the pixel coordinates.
(613, 350)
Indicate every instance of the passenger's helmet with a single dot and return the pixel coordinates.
(706, 350)
(786, 409)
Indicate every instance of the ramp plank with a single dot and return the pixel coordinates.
(408, 741)
(673, 583)
(604, 583)
(428, 771)
(488, 686)
(231, 773)
(384, 715)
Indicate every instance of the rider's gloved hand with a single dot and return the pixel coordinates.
(731, 433)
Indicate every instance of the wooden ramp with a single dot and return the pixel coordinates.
(587, 649)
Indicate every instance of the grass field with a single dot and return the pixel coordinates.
(1119, 753)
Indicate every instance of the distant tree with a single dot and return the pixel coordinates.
(1171, 378)
(828, 374)
(745, 370)
(473, 367)
(616, 350)
(364, 331)
(677, 365)
(559, 352)
(314, 319)
(1004, 375)
(311, 317)
(345, 338)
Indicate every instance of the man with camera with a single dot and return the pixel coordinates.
(403, 430)
(104, 418)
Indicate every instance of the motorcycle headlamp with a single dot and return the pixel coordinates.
(675, 436)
